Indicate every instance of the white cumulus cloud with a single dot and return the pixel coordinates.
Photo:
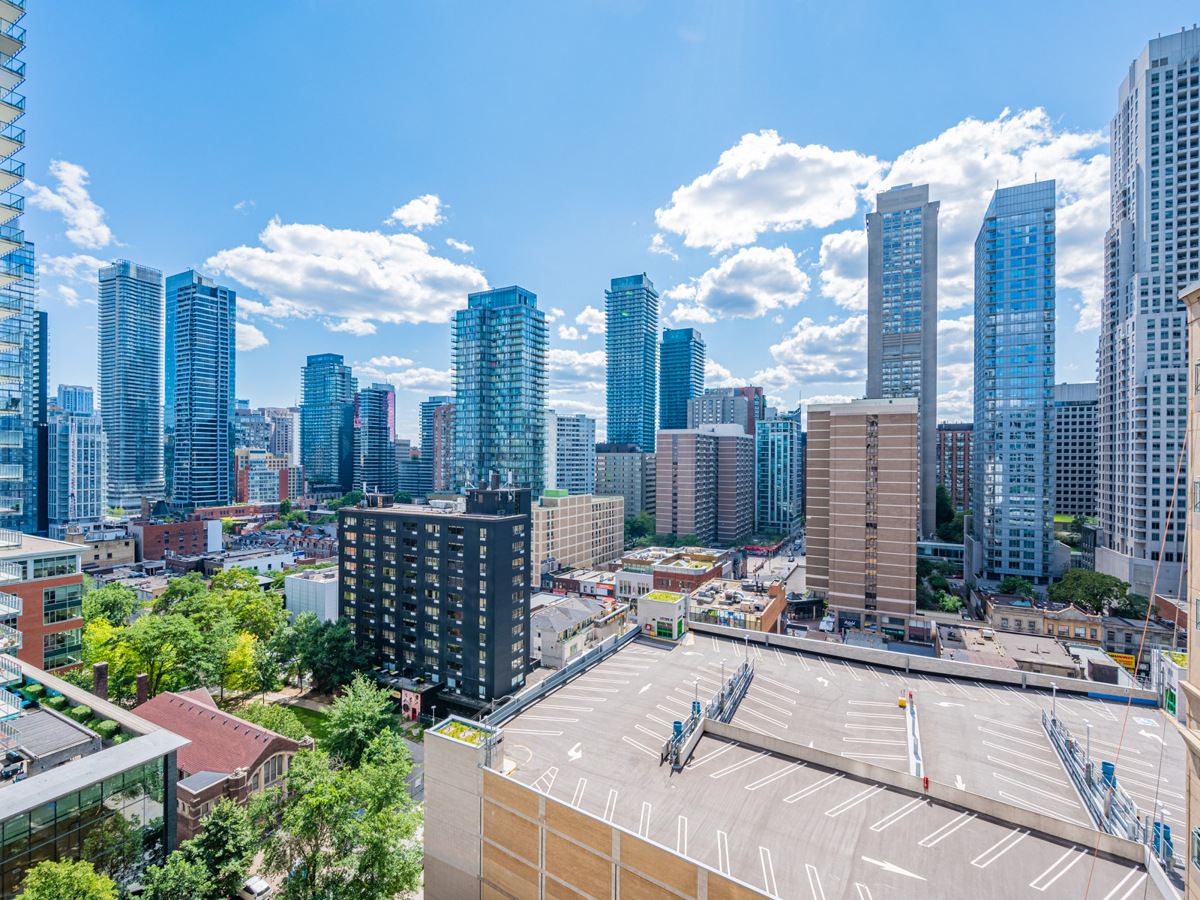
(355, 279)
(843, 263)
(423, 212)
(658, 244)
(834, 352)
(71, 199)
(249, 338)
(748, 284)
(764, 184)
(459, 245)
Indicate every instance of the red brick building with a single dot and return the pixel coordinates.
(954, 462)
(41, 594)
(161, 540)
(227, 756)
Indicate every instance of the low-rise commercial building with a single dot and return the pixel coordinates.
(104, 547)
(1030, 615)
(1006, 650)
(566, 628)
(1123, 640)
(577, 530)
(663, 614)
(163, 539)
(738, 605)
(665, 569)
(312, 591)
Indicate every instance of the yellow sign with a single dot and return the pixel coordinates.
(1129, 662)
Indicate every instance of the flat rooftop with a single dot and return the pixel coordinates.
(795, 829)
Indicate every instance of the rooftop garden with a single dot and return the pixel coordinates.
(662, 597)
(462, 731)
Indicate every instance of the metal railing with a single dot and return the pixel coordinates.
(10, 670)
(1110, 807)
(720, 708)
(10, 737)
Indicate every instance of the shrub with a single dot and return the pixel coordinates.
(34, 691)
(107, 729)
(120, 738)
(59, 703)
(80, 713)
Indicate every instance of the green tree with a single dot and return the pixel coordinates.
(176, 878)
(1016, 585)
(188, 587)
(346, 828)
(169, 649)
(363, 712)
(952, 531)
(226, 846)
(285, 507)
(114, 603)
(331, 654)
(67, 880)
(228, 525)
(1134, 606)
(258, 612)
(948, 602)
(1093, 591)
(290, 640)
(276, 718)
(236, 578)
(639, 526)
(403, 497)
(263, 673)
(944, 506)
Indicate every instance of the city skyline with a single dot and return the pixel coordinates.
(800, 259)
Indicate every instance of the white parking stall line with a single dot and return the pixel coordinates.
(1112, 895)
(667, 710)
(654, 718)
(721, 773)
(893, 817)
(995, 695)
(875, 672)
(527, 717)
(1025, 804)
(1009, 725)
(1007, 737)
(715, 645)
(584, 699)
(813, 788)
(1102, 709)
(548, 777)
(749, 711)
(595, 680)
(703, 759)
(825, 663)
(530, 731)
(611, 806)
(803, 662)
(768, 870)
(778, 684)
(649, 731)
(998, 849)
(864, 892)
(759, 689)
(936, 837)
(1052, 762)
(779, 656)
(567, 708)
(864, 715)
(814, 882)
(723, 852)
(1021, 768)
(1102, 743)
(1069, 801)
(644, 821)
(575, 800)
(750, 698)
(598, 690)
(854, 740)
(1125, 779)
(1043, 881)
(1021, 696)
(962, 690)
(861, 797)
(933, 684)
(890, 704)
(875, 727)
(768, 779)
(681, 836)
(871, 756)
(851, 670)
(641, 747)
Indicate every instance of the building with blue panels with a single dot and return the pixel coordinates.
(327, 422)
(681, 375)
(1012, 492)
(375, 463)
(778, 474)
(631, 342)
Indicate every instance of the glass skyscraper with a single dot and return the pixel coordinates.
(902, 319)
(327, 422)
(375, 464)
(428, 410)
(631, 341)
(499, 350)
(681, 375)
(1150, 254)
(201, 372)
(1012, 494)
(130, 311)
(77, 470)
(778, 464)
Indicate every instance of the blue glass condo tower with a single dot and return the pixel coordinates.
(1012, 488)
(631, 341)
(327, 422)
(681, 375)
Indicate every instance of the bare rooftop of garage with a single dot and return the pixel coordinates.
(793, 828)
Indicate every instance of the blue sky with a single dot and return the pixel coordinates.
(354, 169)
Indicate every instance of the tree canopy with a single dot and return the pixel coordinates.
(279, 719)
(363, 712)
(67, 880)
(1016, 585)
(114, 603)
(944, 506)
(226, 846)
(1093, 591)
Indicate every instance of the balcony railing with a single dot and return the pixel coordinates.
(10, 737)
(10, 605)
(10, 671)
(10, 639)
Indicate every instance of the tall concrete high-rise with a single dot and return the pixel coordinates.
(500, 350)
(285, 432)
(76, 398)
(201, 365)
(954, 442)
(575, 454)
(681, 375)
(778, 474)
(327, 390)
(631, 342)
(1012, 490)
(623, 470)
(429, 439)
(77, 462)
(375, 464)
(902, 266)
(1075, 449)
(1150, 254)
(130, 303)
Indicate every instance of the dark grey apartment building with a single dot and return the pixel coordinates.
(443, 594)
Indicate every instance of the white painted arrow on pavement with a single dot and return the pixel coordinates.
(892, 867)
(645, 687)
(823, 681)
(574, 753)
(946, 703)
(1148, 734)
(958, 783)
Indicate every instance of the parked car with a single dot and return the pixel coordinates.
(255, 888)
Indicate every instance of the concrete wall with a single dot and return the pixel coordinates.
(945, 667)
